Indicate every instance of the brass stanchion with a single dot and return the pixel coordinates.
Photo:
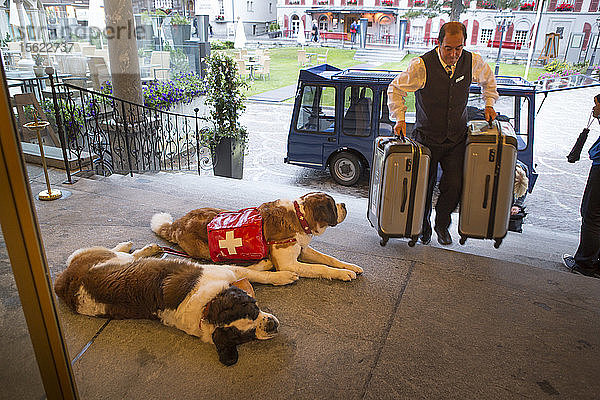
(38, 126)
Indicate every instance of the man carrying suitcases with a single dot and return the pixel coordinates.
(441, 79)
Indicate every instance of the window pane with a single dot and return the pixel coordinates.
(386, 125)
(20, 375)
(317, 110)
(358, 108)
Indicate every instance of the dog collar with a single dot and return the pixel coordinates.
(301, 218)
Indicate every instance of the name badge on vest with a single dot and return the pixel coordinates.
(460, 78)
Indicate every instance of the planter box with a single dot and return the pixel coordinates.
(274, 34)
(229, 159)
(181, 33)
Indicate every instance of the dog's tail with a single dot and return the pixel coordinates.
(161, 224)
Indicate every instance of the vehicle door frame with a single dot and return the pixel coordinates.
(315, 138)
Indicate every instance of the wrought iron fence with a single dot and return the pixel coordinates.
(110, 135)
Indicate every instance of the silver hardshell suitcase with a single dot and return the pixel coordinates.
(398, 188)
(488, 181)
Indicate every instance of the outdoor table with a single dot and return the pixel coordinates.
(29, 82)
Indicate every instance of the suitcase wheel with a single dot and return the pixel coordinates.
(497, 243)
(462, 240)
(412, 242)
(384, 241)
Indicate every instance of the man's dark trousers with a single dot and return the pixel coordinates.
(451, 158)
(589, 240)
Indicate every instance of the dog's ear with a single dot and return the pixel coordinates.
(226, 346)
(323, 209)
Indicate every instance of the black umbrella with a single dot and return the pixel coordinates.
(578, 146)
(576, 151)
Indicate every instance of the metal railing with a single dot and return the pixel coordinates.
(109, 135)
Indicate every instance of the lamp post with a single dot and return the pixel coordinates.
(596, 45)
(502, 20)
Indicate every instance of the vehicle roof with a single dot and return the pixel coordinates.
(326, 73)
(506, 85)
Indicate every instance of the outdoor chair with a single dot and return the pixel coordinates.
(242, 68)
(98, 71)
(28, 100)
(264, 68)
(302, 58)
(102, 53)
(75, 66)
(160, 65)
(322, 58)
(88, 50)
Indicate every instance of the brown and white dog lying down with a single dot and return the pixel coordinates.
(281, 224)
(198, 299)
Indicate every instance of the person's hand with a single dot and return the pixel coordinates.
(514, 210)
(596, 109)
(400, 128)
(490, 113)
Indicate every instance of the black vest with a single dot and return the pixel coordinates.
(442, 104)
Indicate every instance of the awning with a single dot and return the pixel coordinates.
(351, 10)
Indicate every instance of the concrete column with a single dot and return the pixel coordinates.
(122, 50)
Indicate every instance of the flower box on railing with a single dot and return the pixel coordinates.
(419, 3)
(564, 7)
(220, 18)
(387, 3)
(323, 2)
(351, 2)
(527, 6)
(292, 2)
(488, 5)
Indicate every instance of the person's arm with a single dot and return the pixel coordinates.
(484, 77)
(410, 80)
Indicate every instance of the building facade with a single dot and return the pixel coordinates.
(576, 21)
(256, 15)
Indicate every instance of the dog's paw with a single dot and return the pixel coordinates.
(354, 267)
(344, 275)
(262, 265)
(284, 277)
(148, 250)
(124, 247)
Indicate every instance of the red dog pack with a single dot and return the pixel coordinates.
(237, 236)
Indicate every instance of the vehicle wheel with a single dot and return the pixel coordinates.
(412, 242)
(383, 241)
(497, 243)
(462, 240)
(345, 168)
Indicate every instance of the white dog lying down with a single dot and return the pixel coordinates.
(198, 299)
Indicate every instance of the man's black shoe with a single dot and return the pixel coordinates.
(426, 236)
(575, 268)
(443, 236)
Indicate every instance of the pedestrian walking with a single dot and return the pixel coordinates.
(353, 29)
(441, 79)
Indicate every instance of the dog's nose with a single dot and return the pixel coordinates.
(272, 325)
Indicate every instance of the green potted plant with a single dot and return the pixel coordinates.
(38, 67)
(274, 30)
(225, 99)
(180, 29)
